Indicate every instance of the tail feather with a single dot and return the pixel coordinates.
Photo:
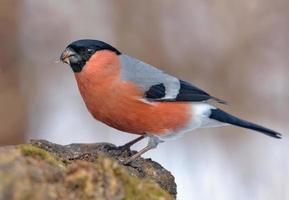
(222, 116)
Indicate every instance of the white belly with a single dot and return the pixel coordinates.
(200, 119)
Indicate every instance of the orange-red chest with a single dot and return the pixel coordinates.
(118, 103)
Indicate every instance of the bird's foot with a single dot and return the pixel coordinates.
(128, 160)
(126, 147)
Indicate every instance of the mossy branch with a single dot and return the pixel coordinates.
(43, 170)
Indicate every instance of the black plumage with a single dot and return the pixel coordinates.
(156, 92)
(187, 93)
(224, 117)
(81, 46)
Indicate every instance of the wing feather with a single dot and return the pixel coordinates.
(159, 86)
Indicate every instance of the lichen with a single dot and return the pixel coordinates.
(33, 151)
(138, 189)
(30, 172)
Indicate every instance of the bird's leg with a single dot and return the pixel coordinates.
(132, 142)
(152, 143)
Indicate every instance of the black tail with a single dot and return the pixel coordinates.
(222, 116)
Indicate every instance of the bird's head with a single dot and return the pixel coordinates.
(77, 53)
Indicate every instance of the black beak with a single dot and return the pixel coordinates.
(66, 54)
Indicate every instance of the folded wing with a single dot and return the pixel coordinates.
(159, 86)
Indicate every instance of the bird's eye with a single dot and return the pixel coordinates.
(89, 50)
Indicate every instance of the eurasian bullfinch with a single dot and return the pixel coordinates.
(135, 97)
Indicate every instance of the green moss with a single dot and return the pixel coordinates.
(30, 172)
(33, 151)
(137, 189)
(79, 182)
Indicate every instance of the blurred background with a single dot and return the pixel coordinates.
(235, 50)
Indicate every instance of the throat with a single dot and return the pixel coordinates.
(77, 67)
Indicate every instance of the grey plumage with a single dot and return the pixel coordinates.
(159, 86)
(146, 76)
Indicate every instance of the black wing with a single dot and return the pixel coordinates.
(156, 92)
(187, 93)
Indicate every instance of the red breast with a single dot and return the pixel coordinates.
(118, 103)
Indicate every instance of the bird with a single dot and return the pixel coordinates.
(135, 97)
